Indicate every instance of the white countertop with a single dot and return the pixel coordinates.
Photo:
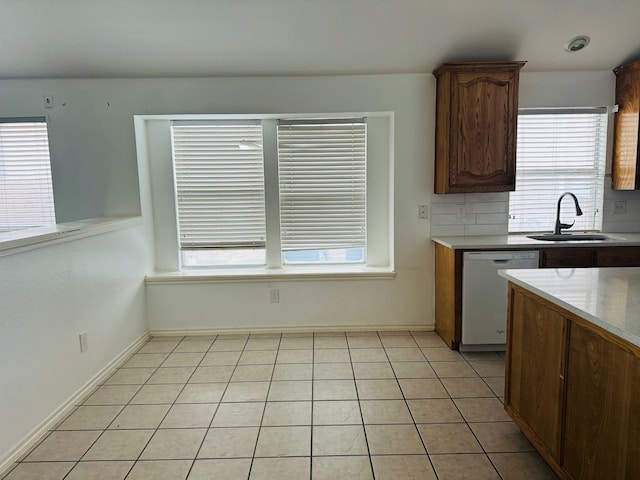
(607, 297)
(480, 242)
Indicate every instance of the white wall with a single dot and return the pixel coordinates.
(94, 168)
(487, 214)
(48, 296)
(406, 300)
(91, 141)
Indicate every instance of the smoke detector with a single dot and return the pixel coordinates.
(578, 43)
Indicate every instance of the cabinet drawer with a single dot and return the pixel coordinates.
(617, 257)
(567, 257)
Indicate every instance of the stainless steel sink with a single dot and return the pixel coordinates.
(568, 237)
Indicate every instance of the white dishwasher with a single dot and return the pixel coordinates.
(484, 297)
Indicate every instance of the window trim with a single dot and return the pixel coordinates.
(19, 241)
(206, 173)
(34, 157)
(292, 165)
(602, 111)
(154, 159)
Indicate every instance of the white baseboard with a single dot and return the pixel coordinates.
(281, 329)
(35, 435)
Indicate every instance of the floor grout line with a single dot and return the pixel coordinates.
(397, 348)
(364, 429)
(255, 448)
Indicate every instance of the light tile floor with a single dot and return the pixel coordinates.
(365, 405)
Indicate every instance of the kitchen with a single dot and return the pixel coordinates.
(98, 146)
(568, 323)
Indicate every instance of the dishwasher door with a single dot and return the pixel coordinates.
(484, 297)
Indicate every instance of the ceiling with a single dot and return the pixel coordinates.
(179, 38)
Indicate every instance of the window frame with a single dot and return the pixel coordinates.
(237, 174)
(351, 170)
(595, 205)
(154, 157)
(183, 163)
(44, 200)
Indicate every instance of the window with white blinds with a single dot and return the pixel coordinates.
(322, 174)
(26, 189)
(219, 181)
(559, 151)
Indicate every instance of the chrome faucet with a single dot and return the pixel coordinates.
(561, 226)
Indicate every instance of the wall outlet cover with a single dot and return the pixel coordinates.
(274, 295)
(83, 342)
(620, 207)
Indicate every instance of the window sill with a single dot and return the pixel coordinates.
(31, 238)
(268, 275)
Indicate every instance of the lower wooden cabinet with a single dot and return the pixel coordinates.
(449, 267)
(536, 336)
(567, 257)
(573, 389)
(448, 295)
(579, 257)
(617, 257)
(602, 421)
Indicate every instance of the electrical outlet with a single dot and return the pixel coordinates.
(48, 101)
(423, 212)
(274, 295)
(83, 342)
(619, 208)
(461, 211)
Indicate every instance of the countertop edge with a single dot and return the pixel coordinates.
(515, 242)
(512, 276)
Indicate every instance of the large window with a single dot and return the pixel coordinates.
(26, 190)
(270, 192)
(559, 151)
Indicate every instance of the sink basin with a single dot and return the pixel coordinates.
(567, 237)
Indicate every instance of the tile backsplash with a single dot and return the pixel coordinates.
(484, 214)
(487, 213)
(627, 222)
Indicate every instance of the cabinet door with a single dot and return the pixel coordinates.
(476, 125)
(484, 116)
(535, 369)
(567, 257)
(618, 257)
(448, 293)
(602, 419)
(625, 171)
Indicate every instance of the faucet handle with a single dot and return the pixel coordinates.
(565, 226)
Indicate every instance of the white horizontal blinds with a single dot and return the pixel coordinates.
(322, 172)
(219, 178)
(26, 190)
(559, 152)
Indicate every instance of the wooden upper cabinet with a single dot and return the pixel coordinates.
(625, 170)
(476, 126)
